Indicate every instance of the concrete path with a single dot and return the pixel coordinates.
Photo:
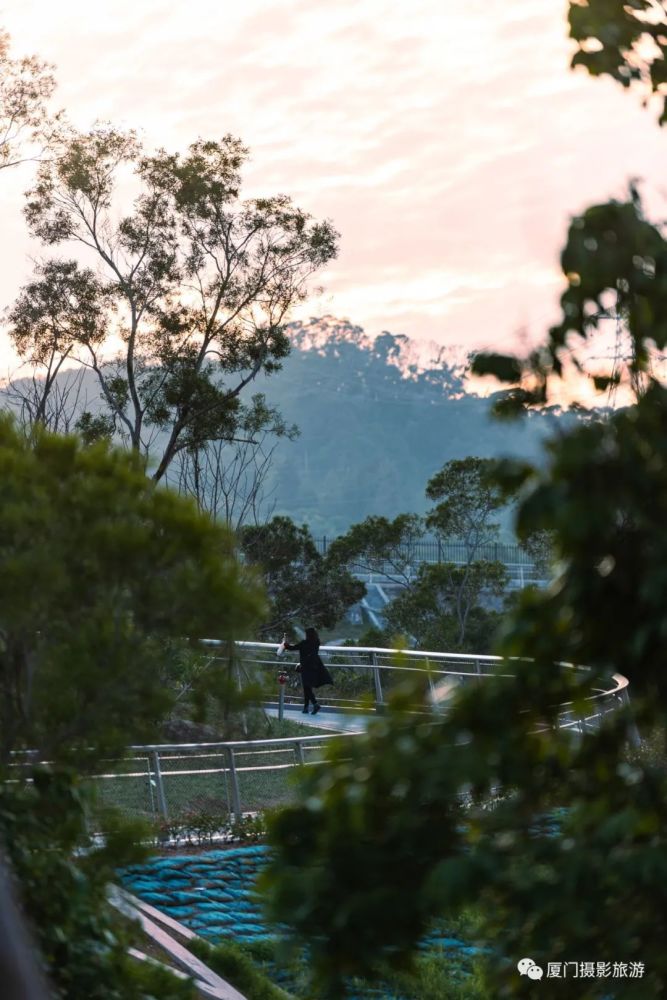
(326, 718)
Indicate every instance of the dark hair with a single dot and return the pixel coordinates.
(312, 638)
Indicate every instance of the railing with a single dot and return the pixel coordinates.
(519, 575)
(431, 550)
(164, 781)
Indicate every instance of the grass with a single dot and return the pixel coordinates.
(236, 966)
(253, 967)
(134, 791)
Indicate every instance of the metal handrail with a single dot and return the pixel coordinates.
(230, 754)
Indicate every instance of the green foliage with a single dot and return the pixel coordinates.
(99, 572)
(304, 587)
(361, 810)
(615, 264)
(569, 864)
(539, 546)
(378, 545)
(435, 975)
(238, 968)
(62, 882)
(561, 842)
(441, 607)
(466, 497)
(208, 820)
(626, 41)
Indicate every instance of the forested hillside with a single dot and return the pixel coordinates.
(375, 428)
(376, 422)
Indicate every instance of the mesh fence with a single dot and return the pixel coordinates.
(172, 782)
(431, 550)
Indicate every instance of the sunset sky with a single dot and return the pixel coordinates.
(448, 142)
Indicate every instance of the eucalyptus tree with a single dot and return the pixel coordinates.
(436, 603)
(26, 84)
(380, 546)
(303, 587)
(184, 285)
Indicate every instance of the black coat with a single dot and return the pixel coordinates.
(313, 672)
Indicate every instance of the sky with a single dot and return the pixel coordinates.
(448, 142)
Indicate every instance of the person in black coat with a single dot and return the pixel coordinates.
(313, 672)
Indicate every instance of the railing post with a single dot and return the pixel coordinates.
(298, 749)
(478, 669)
(635, 738)
(379, 702)
(282, 681)
(430, 679)
(234, 782)
(159, 785)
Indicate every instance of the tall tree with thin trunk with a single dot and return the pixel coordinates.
(187, 290)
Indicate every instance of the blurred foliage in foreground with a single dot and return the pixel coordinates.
(61, 884)
(571, 862)
(561, 843)
(102, 574)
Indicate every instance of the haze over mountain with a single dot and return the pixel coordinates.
(377, 418)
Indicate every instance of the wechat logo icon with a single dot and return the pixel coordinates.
(527, 967)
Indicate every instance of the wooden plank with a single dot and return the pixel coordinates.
(159, 917)
(203, 988)
(178, 952)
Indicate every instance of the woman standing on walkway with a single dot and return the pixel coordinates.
(313, 672)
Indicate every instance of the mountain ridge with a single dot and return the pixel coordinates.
(378, 416)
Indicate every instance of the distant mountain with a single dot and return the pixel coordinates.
(378, 417)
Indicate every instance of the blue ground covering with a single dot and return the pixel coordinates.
(213, 894)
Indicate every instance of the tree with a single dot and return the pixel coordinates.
(100, 571)
(229, 481)
(466, 498)
(436, 602)
(187, 290)
(26, 85)
(538, 545)
(378, 545)
(626, 41)
(563, 843)
(62, 877)
(304, 588)
(442, 607)
(51, 317)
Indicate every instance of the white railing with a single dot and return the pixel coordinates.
(242, 776)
